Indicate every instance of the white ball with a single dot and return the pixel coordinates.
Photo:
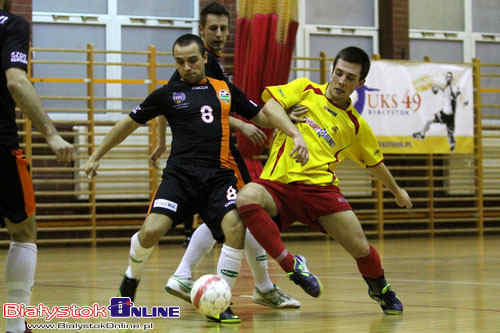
(211, 295)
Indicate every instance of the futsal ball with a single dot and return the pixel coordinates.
(210, 295)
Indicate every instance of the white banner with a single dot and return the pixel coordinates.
(419, 107)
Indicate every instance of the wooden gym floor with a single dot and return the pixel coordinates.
(447, 285)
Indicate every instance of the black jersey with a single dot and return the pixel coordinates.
(213, 68)
(198, 116)
(14, 40)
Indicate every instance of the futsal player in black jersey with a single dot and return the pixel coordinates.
(214, 30)
(200, 173)
(17, 200)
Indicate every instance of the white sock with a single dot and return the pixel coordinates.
(257, 260)
(138, 257)
(229, 264)
(200, 244)
(20, 277)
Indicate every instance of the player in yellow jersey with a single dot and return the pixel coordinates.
(333, 130)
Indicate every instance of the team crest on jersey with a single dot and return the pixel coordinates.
(178, 97)
(225, 96)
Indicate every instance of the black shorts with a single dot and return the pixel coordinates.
(186, 190)
(17, 198)
(447, 119)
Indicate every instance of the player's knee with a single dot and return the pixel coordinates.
(23, 232)
(247, 196)
(153, 229)
(361, 248)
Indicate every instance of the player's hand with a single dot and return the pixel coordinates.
(403, 199)
(300, 152)
(159, 150)
(91, 167)
(296, 113)
(254, 134)
(63, 150)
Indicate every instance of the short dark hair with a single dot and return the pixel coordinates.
(355, 55)
(214, 8)
(188, 39)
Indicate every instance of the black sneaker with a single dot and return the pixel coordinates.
(389, 302)
(226, 317)
(305, 279)
(128, 288)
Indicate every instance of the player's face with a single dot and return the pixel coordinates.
(190, 63)
(345, 78)
(215, 32)
(449, 78)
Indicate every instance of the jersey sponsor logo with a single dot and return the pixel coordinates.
(322, 133)
(167, 204)
(17, 56)
(178, 97)
(331, 111)
(225, 96)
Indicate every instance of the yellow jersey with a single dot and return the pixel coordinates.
(331, 134)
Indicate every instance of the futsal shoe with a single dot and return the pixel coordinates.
(389, 302)
(275, 298)
(418, 135)
(179, 287)
(128, 288)
(305, 279)
(226, 317)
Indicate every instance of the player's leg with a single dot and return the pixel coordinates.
(181, 282)
(450, 131)
(17, 209)
(346, 229)
(265, 292)
(188, 229)
(141, 246)
(256, 206)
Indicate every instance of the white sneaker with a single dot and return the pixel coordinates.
(180, 287)
(275, 298)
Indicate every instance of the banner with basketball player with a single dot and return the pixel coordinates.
(419, 108)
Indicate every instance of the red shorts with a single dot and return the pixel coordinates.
(304, 203)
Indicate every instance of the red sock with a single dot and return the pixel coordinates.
(266, 232)
(370, 266)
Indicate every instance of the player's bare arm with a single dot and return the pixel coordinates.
(272, 115)
(26, 98)
(118, 133)
(162, 137)
(252, 132)
(382, 173)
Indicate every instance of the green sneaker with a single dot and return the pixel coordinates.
(180, 287)
(226, 317)
(305, 279)
(275, 298)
